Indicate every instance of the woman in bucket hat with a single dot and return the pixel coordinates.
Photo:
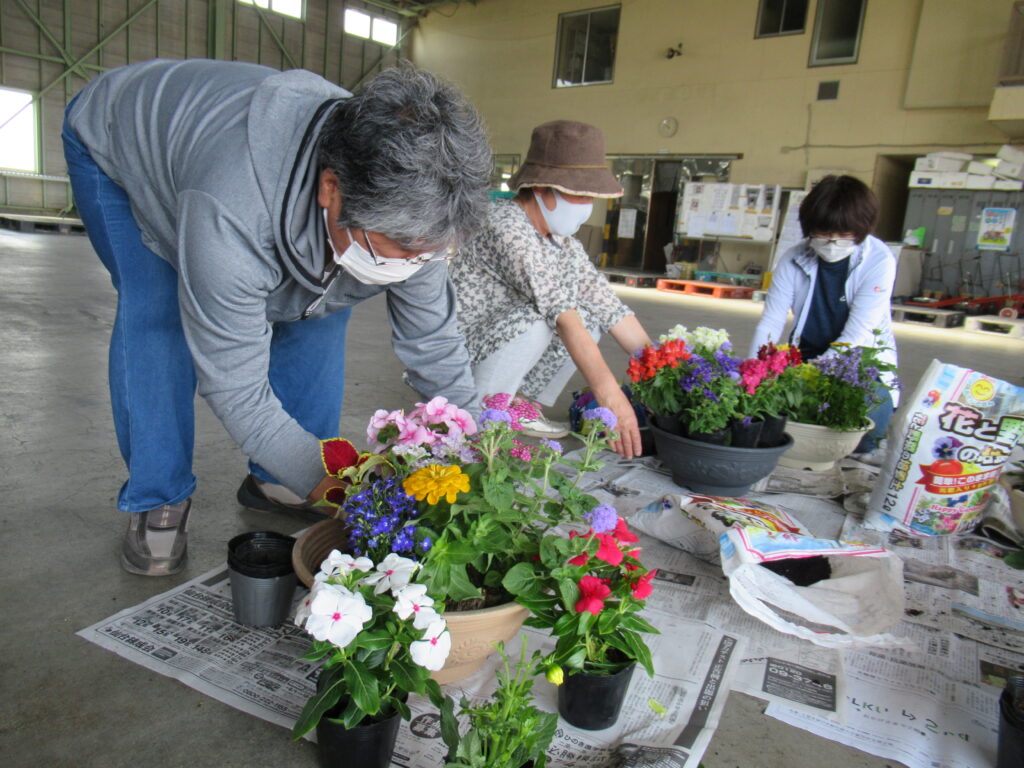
(531, 304)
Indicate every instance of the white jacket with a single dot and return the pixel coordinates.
(868, 293)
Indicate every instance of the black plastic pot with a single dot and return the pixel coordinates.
(670, 424)
(773, 430)
(368, 745)
(262, 577)
(719, 470)
(1011, 725)
(718, 437)
(746, 434)
(593, 702)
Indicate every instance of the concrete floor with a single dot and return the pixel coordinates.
(69, 703)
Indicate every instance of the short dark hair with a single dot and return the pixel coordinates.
(839, 204)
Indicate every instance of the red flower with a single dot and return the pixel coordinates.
(642, 589)
(579, 559)
(335, 496)
(629, 566)
(593, 591)
(609, 550)
(622, 533)
(338, 454)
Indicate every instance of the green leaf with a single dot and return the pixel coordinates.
(408, 676)
(461, 552)
(374, 639)
(569, 593)
(566, 623)
(460, 587)
(362, 687)
(402, 708)
(327, 696)
(638, 650)
(636, 623)
(1015, 559)
(352, 716)
(520, 579)
(449, 725)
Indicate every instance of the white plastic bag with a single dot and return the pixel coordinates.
(945, 451)
(852, 608)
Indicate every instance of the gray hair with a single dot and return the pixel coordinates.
(412, 160)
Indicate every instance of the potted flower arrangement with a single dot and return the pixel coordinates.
(834, 395)
(380, 638)
(506, 731)
(715, 448)
(467, 504)
(770, 389)
(588, 590)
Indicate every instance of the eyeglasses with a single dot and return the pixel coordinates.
(420, 258)
(842, 242)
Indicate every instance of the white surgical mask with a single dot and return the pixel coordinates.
(567, 217)
(359, 263)
(832, 250)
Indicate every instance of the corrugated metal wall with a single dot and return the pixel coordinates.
(53, 47)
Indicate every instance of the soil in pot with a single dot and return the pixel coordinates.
(802, 571)
(746, 434)
(593, 702)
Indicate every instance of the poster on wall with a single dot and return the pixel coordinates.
(996, 230)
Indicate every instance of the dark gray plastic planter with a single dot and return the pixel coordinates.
(719, 470)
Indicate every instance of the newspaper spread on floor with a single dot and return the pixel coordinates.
(189, 634)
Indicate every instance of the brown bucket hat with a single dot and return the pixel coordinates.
(568, 156)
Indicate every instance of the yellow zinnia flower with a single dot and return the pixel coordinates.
(435, 482)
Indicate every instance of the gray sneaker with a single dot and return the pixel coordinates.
(156, 543)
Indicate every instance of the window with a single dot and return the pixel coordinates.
(781, 17)
(291, 8)
(17, 131)
(837, 27)
(586, 47)
(503, 168)
(371, 27)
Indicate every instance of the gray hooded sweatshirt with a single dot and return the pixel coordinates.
(219, 163)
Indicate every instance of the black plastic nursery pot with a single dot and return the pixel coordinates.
(262, 577)
(746, 434)
(368, 745)
(593, 702)
(773, 431)
(1011, 725)
(718, 470)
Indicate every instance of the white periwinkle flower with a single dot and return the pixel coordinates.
(432, 650)
(337, 615)
(412, 600)
(338, 563)
(393, 572)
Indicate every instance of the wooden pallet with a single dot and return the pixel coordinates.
(940, 318)
(699, 288)
(995, 325)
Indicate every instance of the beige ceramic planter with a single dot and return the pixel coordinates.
(819, 448)
(474, 633)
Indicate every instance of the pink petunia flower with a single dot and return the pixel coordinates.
(622, 533)
(643, 589)
(609, 549)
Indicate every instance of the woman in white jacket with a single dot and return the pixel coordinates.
(838, 283)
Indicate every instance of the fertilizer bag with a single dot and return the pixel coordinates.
(945, 451)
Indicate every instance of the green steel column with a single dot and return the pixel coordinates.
(216, 45)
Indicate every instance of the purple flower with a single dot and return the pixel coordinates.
(603, 414)
(494, 415)
(711, 395)
(602, 518)
(554, 445)
(823, 407)
(945, 447)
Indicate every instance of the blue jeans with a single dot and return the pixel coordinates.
(152, 378)
(881, 415)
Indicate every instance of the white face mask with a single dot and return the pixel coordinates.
(832, 251)
(567, 217)
(359, 263)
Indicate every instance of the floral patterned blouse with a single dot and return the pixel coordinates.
(509, 277)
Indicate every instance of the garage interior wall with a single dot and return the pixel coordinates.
(732, 92)
(51, 48)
